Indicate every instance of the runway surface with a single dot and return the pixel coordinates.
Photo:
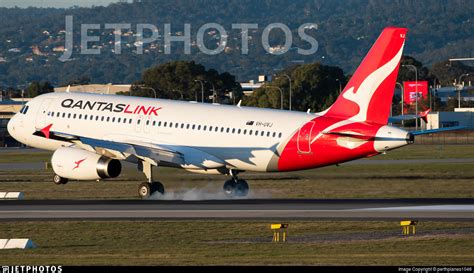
(40, 165)
(440, 209)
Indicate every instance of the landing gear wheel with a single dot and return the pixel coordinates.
(58, 180)
(145, 190)
(229, 187)
(157, 187)
(236, 188)
(241, 188)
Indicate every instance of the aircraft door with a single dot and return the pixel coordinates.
(147, 124)
(42, 114)
(304, 138)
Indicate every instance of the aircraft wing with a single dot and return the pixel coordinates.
(149, 152)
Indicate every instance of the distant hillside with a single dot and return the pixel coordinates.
(31, 39)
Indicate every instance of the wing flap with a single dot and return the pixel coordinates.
(149, 152)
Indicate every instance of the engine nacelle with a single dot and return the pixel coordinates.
(80, 164)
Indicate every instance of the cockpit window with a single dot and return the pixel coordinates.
(24, 109)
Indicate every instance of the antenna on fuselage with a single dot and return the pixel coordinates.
(238, 104)
(309, 111)
(67, 89)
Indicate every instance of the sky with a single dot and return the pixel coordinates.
(54, 3)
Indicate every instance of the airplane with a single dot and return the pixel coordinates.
(91, 134)
(423, 115)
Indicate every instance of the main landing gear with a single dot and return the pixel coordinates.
(236, 187)
(146, 189)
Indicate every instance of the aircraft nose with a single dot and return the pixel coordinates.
(11, 126)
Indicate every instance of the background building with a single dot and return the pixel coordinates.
(460, 117)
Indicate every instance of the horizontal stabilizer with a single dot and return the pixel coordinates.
(424, 132)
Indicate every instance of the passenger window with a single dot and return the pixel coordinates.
(182, 125)
(92, 117)
(171, 124)
(268, 134)
(119, 120)
(250, 132)
(194, 126)
(279, 135)
(233, 130)
(69, 115)
(274, 134)
(228, 130)
(113, 119)
(176, 125)
(85, 117)
(154, 123)
(216, 129)
(147, 122)
(108, 119)
(199, 127)
(164, 124)
(80, 116)
(187, 126)
(64, 115)
(210, 128)
(57, 114)
(262, 133)
(159, 123)
(74, 117)
(26, 109)
(245, 131)
(222, 129)
(238, 131)
(205, 127)
(138, 121)
(130, 121)
(102, 118)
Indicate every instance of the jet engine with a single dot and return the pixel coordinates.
(80, 164)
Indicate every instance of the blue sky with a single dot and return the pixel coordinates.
(54, 3)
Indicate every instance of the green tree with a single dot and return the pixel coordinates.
(447, 72)
(408, 74)
(38, 88)
(182, 78)
(314, 86)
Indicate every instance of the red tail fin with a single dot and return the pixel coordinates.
(368, 95)
(424, 115)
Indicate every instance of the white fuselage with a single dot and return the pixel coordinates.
(243, 138)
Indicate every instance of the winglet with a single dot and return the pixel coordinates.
(46, 130)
